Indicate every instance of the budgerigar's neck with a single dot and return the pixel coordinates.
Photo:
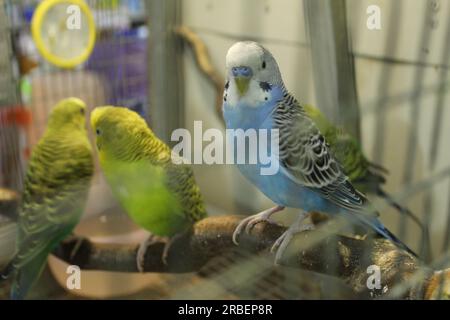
(252, 109)
(147, 147)
(69, 134)
(67, 127)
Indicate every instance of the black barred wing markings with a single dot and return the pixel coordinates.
(306, 159)
(51, 198)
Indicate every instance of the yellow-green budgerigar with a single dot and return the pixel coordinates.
(365, 175)
(55, 192)
(159, 195)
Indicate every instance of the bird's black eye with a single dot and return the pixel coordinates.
(82, 111)
(98, 132)
(263, 65)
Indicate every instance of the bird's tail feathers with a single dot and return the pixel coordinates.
(370, 182)
(385, 233)
(380, 169)
(381, 193)
(26, 276)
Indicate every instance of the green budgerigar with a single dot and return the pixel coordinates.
(365, 175)
(158, 194)
(55, 192)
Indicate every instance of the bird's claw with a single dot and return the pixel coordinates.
(75, 248)
(249, 223)
(283, 241)
(142, 250)
(253, 222)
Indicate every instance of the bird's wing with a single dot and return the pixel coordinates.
(344, 147)
(305, 157)
(181, 181)
(53, 197)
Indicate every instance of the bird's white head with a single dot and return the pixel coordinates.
(249, 63)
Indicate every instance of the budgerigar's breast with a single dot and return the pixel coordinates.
(284, 191)
(142, 190)
(242, 116)
(279, 187)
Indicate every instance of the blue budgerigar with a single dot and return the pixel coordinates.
(309, 177)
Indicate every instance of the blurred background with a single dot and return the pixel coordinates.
(387, 83)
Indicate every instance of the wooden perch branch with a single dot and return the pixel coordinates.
(338, 256)
(204, 63)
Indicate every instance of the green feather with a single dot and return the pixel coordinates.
(55, 191)
(348, 152)
(364, 175)
(158, 195)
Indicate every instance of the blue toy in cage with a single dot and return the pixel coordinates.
(120, 57)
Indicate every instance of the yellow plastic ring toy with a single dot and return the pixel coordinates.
(36, 29)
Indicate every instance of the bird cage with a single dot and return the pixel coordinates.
(378, 70)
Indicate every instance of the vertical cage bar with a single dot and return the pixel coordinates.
(446, 245)
(411, 152)
(10, 161)
(333, 68)
(385, 82)
(333, 63)
(165, 68)
(9, 93)
(437, 125)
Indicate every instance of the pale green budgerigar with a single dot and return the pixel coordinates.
(158, 194)
(55, 192)
(365, 175)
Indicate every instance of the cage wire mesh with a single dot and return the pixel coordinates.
(10, 162)
(117, 74)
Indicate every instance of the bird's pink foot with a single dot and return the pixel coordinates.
(248, 223)
(283, 241)
(142, 250)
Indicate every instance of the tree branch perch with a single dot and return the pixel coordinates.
(346, 258)
(204, 63)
